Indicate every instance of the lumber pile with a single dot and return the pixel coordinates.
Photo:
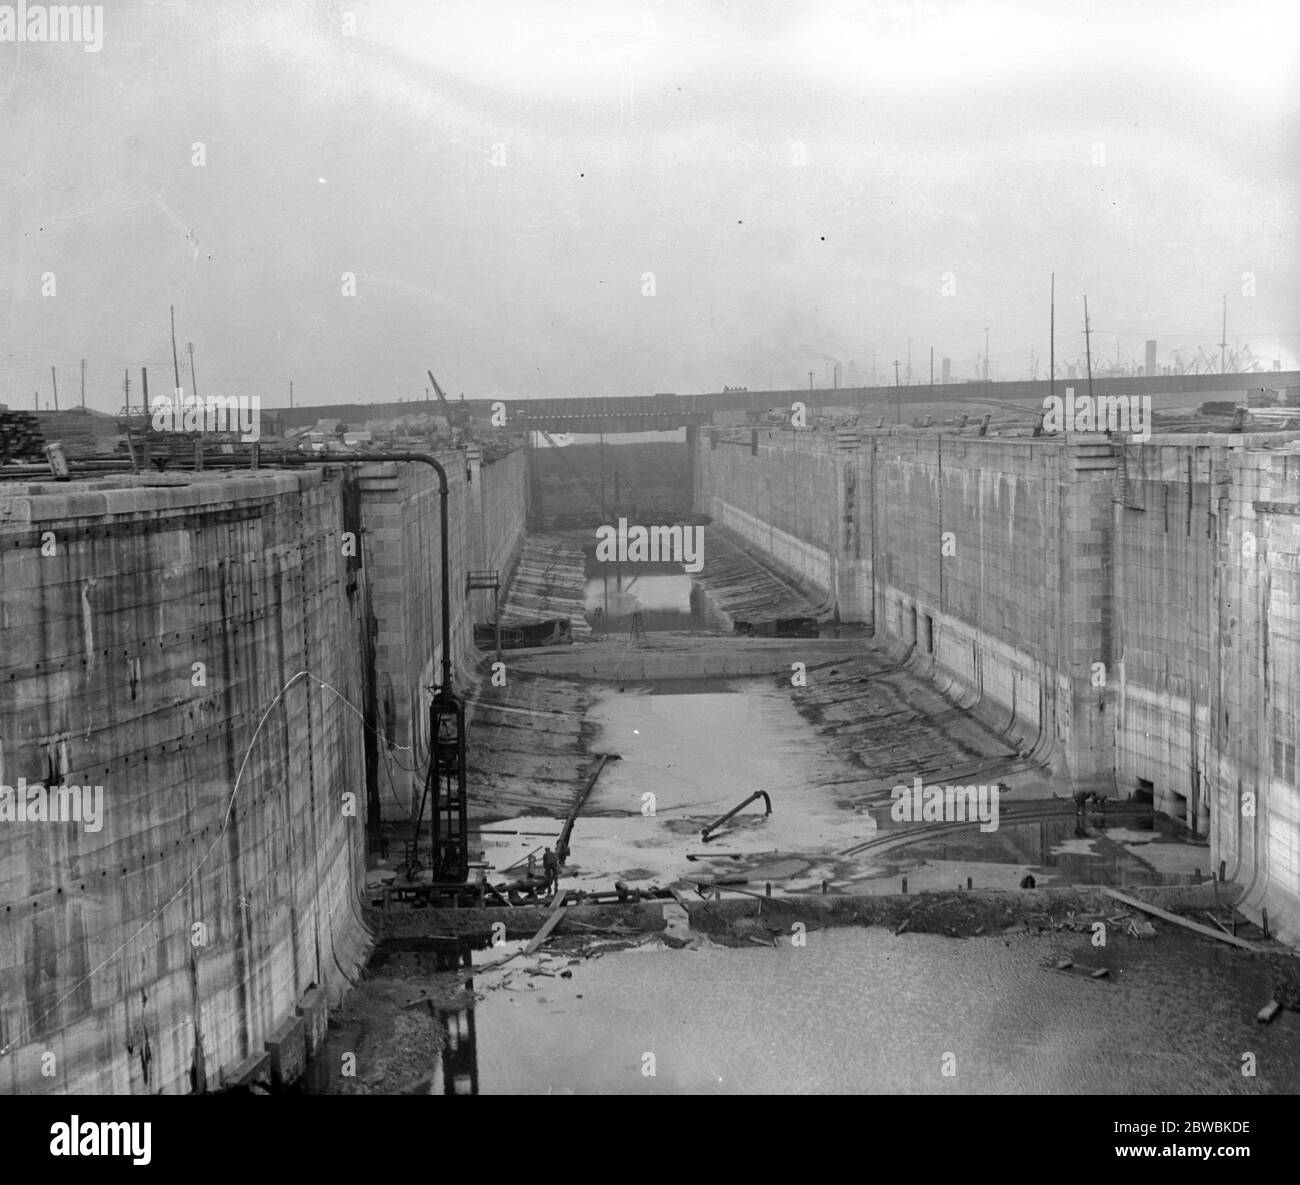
(21, 438)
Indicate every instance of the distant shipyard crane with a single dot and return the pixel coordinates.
(458, 419)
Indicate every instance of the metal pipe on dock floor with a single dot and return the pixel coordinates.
(736, 810)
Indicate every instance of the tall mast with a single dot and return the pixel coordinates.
(1051, 334)
(1087, 345)
(176, 366)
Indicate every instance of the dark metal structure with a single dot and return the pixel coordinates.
(736, 810)
(444, 787)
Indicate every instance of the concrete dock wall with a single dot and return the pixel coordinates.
(1126, 613)
(951, 547)
(402, 550)
(193, 936)
(1207, 584)
(650, 479)
(148, 628)
(778, 491)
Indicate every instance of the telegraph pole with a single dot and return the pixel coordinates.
(176, 366)
(1223, 341)
(1051, 337)
(194, 386)
(1087, 346)
(55, 380)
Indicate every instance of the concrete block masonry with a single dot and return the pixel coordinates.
(288, 1049)
(1147, 643)
(139, 652)
(153, 635)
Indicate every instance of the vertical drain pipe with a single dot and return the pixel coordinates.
(443, 491)
(442, 692)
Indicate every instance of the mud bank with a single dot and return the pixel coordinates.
(726, 922)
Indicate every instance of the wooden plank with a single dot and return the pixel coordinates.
(562, 845)
(1216, 921)
(1196, 927)
(545, 932)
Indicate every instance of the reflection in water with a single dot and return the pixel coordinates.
(456, 1071)
(460, 1054)
(1055, 847)
(621, 597)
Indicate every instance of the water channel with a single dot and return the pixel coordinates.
(663, 594)
(854, 1009)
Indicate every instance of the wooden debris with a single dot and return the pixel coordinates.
(1196, 927)
(1216, 921)
(1268, 1012)
(545, 932)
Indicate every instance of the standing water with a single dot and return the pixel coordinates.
(865, 1011)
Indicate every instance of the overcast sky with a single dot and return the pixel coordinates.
(802, 181)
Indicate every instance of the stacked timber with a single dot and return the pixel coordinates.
(20, 437)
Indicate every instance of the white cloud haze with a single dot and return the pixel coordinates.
(640, 137)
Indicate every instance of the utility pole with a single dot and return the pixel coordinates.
(1051, 337)
(55, 380)
(810, 386)
(126, 390)
(176, 366)
(291, 392)
(144, 383)
(1223, 341)
(194, 386)
(1087, 344)
(83, 384)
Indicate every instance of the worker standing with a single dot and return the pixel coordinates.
(551, 871)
